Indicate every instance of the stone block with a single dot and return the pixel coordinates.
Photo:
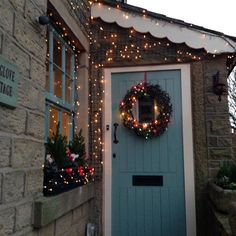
(212, 141)
(18, 5)
(0, 191)
(1, 41)
(214, 164)
(27, 153)
(63, 225)
(76, 215)
(218, 127)
(38, 73)
(6, 19)
(31, 36)
(34, 9)
(224, 142)
(7, 219)
(212, 173)
(15, 54)
(13, 186)
(212, 66)
(79, 229)
(212, 99)
(12, 121)
(85, 209)
(23, 216)
(220, 153)
(28, 94)
(41, 101)
(34, 181)
(34, 233)
(47, 230)
(47, 210)
(2, 230)
(35, 125)
(5, 147)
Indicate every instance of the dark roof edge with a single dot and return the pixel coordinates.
(139, 10)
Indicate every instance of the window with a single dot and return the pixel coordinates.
(59, 85)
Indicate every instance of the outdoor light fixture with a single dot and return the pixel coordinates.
(44, 20)
(219, 88)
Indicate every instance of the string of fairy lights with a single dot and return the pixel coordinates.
(111, 45)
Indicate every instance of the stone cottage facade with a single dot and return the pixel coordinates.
(102, 45)
(24, 44)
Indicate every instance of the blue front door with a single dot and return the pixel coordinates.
(148, 210)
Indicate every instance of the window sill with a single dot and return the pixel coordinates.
(48, 209)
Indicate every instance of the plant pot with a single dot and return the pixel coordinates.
(221, 198)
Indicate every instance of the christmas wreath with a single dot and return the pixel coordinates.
(161, 111)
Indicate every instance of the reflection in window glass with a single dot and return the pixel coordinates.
(60, 76)
(66, 125)
(68, 62)
(68, 89)
(146, 110)
(53, 120)
(47, 77)
(57, 51)
(57, 82)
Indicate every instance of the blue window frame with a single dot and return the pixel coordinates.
(59, 85)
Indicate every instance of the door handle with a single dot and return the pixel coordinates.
(115, 130)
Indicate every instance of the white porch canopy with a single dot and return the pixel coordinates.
(159, 28)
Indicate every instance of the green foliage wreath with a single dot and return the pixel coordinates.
(161, 120)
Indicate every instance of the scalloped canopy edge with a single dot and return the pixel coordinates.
(176, 33)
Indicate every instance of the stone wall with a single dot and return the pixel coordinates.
(22, 41)
(119, 47)
(70, 219)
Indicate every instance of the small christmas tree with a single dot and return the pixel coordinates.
(77, 146)
(56, 147)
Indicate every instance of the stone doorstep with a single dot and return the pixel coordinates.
(48, 209)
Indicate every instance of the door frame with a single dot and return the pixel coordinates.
(189, 182)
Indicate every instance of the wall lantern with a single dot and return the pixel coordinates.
(219, 88)
(43, 20)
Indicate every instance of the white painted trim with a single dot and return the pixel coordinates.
(187, 144)
(71, 22)
(176, 33)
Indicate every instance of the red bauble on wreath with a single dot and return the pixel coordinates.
(153, 110)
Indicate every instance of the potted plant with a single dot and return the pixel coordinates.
(223, 191)
(65, 165)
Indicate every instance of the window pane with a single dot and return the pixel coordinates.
(47, 40)
(66, 125)
(68, 89)
(68, 62)
(57, 54)
(57, 82)
(47, 76)
(53, 120)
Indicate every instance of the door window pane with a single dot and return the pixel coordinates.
(53, 121)
(57, 51)
(57, 82)
(146, 110)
